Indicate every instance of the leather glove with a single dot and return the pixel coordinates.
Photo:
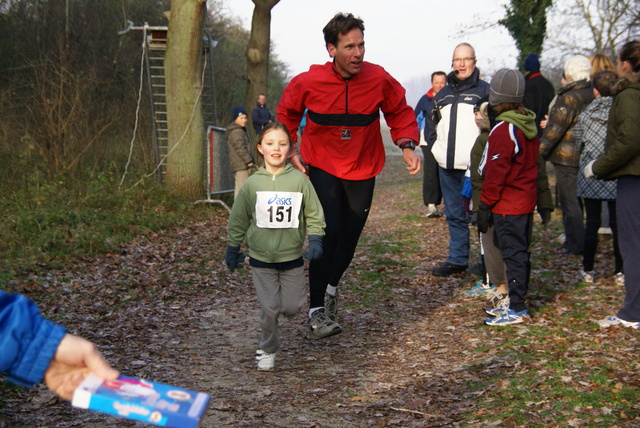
(545, 215)
(234, 258)
(315, 248)
(484, 217)
(588, 170)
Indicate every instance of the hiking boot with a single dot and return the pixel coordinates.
(481, 290)
(447, 269)
(508, 317)
(609, 321)
(586, 277)
(331, 306)
(321, 326)
(619, 278)
(266, 362)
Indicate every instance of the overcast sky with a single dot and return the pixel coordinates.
(409, 38)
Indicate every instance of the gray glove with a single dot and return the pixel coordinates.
(315, 248)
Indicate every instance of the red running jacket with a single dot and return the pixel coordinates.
(342, 135)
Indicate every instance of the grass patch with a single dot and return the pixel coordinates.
(51, 221)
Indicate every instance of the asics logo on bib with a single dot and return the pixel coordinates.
(279, 201)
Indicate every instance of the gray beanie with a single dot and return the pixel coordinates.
(507, 86)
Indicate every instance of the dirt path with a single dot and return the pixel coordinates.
(167, 310)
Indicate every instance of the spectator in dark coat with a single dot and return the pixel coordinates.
(261, 115)
(538, 91)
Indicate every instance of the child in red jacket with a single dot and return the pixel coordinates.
(509, 191)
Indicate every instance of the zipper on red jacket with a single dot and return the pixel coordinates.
(346, 96)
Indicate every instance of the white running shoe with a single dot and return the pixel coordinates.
(266, 362)
(609, 321)
(586, 277)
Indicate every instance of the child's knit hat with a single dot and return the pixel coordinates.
(507, 86)
(237, 111)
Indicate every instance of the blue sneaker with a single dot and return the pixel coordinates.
(508, 317)
(481, 289)
(500, 303)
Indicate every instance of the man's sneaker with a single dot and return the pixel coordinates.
(586, 277)
(432, 211)
(609, 321)
(331, 306)
(448, 269)
(481, 290)
(266, 362)
(321, 326)
(508, 317)
(619, 278)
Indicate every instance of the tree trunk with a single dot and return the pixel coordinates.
(183, 76)
(258, 52)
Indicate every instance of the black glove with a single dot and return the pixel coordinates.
(545, 215)
(484, 217)
(315, 248)
(233, 258)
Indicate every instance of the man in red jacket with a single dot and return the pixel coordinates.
(342, 151)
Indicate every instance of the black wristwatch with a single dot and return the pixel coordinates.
(408, 145)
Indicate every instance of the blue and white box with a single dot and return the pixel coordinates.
(141, 400)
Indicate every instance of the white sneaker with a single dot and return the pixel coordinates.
(266, 362)
(619, 277)
(586, 277)
(432, 211)
(609, 321)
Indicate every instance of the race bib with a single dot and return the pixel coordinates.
(278, 210)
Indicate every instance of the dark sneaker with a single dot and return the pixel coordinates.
(331, 306)
(449, 269)
(321, 326)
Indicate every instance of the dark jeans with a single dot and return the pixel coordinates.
(628, 212)
(346, 205)
(593, 208)
(452, 181)
(431, 192)
(567, 188)
(513, 233)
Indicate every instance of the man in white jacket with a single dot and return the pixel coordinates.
(453, 131)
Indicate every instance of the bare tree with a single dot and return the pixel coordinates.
(258, 50)
(183, 76)
(589, 26)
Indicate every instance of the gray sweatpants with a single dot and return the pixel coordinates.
(279, 292)
(493, 258)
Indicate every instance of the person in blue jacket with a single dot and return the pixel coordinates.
(33, 349)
